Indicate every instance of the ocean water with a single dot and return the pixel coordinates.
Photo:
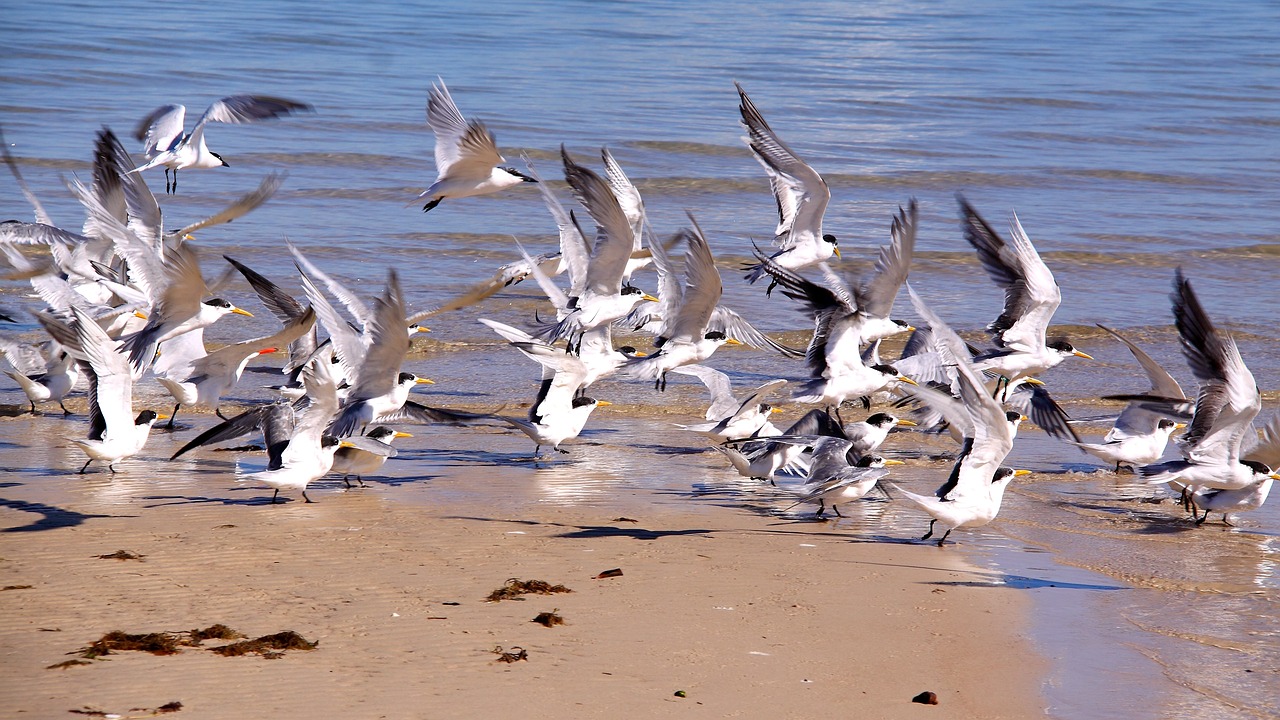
(1130, 141)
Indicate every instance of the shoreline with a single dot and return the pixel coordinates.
(746, 613)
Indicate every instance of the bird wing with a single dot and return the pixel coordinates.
(801, 193)
(158, 131)
(1267, 449)
(628, 196)
(723, 403)
(246, 204)
(386, 339)
(877, 294)
(1162, 383)
(1228, 400)
(462, 148)
(352, 302)
(111, 396)
(573, 246)
(613, 231)
(224, 361)
(1031, 295)
(702, 290)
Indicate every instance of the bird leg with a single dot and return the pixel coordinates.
(1200, 521)
(33, 406)
(930, 533)
(768, 292)
(1226, 521)
(822, 508)
(304, 497)
(112, 467)
(274, 496)
(431, 205)
(65, 411)
(86, 465)
(836, 509)
(345, 480)
(218, 411)
(361, 481)
(944, 537)
(173, 417)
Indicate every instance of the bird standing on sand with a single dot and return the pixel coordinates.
(467, 158)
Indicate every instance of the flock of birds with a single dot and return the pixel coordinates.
(125, 300)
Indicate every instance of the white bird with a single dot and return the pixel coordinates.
(552, 424)
(801, 193)
(366, 454)
(728, 417)
(1031, 296)
(835, 477)
(467, 157)
(204, 380)
(836, 368)
(1226, 406)
(165, 143)
(43, 380)
(972, 495)
(114, 432)
(868, 435)
(598, 295)
(308, 453)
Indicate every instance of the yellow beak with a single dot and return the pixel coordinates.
(1033, 381)
(400, 434)
(773, 411)
(1020, 473)
(346, 444)
(139, 314)
(836, 251)
(245, 313)
(906, 423)
(1179, 426)
(602, 403)
(731, 341)
(651, 298)
(1082, 355)
(639, 354)
(425, 381)
(894, 462)
(908, 380)
(161, 417)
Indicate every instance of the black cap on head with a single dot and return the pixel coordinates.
(1061, 345)
(218, 302)
(1013, 416)
(867, 461)
(886, 369)
(715, 335)
(1002, 473)
(328, 441)
(881, 419)
(1166, 423)
(380, 432)
(830, 238)
(406, 377)
(631, 290)
(145, 417)
(1256, 467)
(220, 159)
(584, 400)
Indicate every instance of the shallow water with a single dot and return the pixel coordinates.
(1129, 140)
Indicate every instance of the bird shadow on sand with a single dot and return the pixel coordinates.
(982, 578)
(591, 532)
(51, 517)
(166, 500)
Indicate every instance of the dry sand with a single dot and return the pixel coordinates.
(749, 615)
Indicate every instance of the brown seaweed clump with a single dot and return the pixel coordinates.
(161, 643)
(516, 587)
(213, 632)
(548, 619)
(268, 646)
(515, 654)
(121, 555)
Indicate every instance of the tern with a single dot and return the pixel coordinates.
(1031, 296)
(801, 193)
(1227, 403)
(972, 495)
(836, 476)
(42, 380)
(467, 158)
(729, 418)
(836, 367)
(366, 454)
(165, 143)
(114, 432)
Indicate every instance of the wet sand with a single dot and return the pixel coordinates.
(749, 614)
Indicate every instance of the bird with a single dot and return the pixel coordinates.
(1226, 405)
(972, 494)
(729, 418)
(866, 436)
(835, 476)
(598, 294)
(115, 433)
(42, 380)
(836, 368)
(204, 380)
(467, 157)
(308, 453)
(1031, 296)
(552, 424)
(165, 143)
(366, 454)
(801, 194)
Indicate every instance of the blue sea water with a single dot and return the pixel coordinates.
(1130, 138)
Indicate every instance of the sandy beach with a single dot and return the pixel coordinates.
(747, 614)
